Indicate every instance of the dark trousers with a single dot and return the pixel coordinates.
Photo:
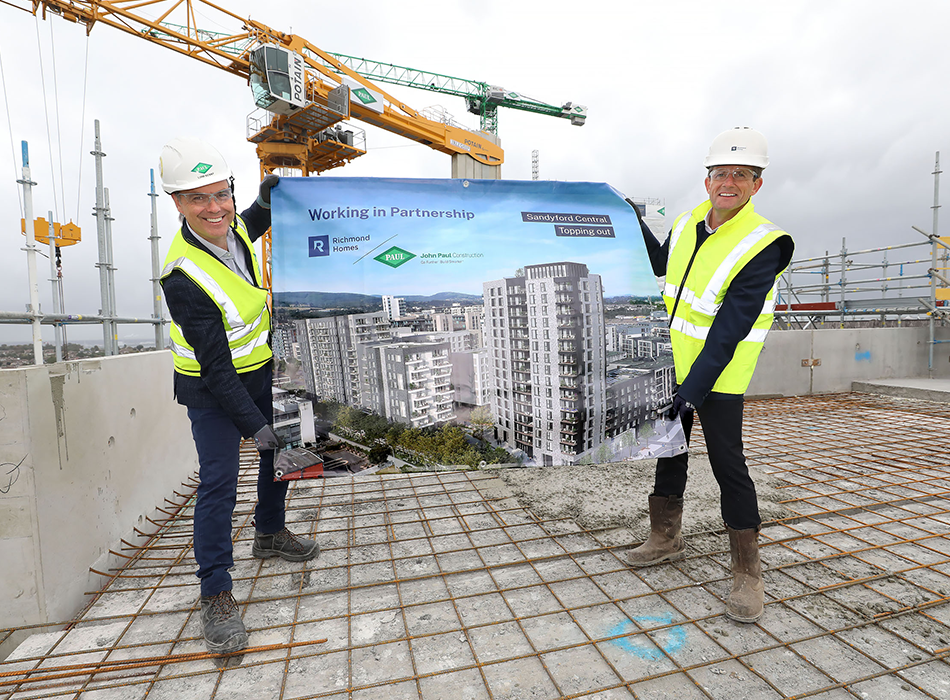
(722, 428)
(218, 441)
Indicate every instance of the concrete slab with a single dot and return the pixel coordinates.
(450, 585)
(937, 390)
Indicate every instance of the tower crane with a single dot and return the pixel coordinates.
(303, 93)
(303, 89)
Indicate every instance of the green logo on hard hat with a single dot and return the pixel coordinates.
(201, 168)
(661, 211)
(364, 96)
(394, 257)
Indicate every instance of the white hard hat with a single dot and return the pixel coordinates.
(740, 146)
(188, 163)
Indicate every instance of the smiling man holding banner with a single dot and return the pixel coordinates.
(721, 263)
(220, 338)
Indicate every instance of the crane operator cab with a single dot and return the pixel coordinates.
(278, 80)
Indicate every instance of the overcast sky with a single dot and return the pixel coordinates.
(852, 97)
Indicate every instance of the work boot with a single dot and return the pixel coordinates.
(221, 624)
(747, 599)
(665, 542)
(284, 544)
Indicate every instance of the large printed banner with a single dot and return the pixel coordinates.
(518, 310)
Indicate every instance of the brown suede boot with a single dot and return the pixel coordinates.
(665, 542)
(747, 598)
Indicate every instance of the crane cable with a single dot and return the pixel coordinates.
(49, 137)
(6, 104)
(59, 133)
(82, 124)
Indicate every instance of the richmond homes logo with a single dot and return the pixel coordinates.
(394, 257)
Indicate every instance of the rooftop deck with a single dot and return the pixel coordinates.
(444, 586)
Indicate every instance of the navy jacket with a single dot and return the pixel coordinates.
(200, 319)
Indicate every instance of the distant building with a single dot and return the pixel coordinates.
(293, 419)
(472, 376)
(284, 337)
(356, 360)
(394, 307)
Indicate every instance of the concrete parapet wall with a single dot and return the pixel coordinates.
(88, 450)
(837, 357)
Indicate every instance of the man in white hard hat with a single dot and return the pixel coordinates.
(220, 336)
(721, 263)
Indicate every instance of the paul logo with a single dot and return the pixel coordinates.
(364, 96)
(394, 257)
(319, 246)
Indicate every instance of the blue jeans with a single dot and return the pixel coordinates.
(218, 441)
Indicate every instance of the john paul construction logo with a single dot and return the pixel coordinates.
(394, 257)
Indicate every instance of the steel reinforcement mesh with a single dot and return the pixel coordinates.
(441, 585)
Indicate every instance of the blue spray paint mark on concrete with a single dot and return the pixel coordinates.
(862, 356)
(641, 647)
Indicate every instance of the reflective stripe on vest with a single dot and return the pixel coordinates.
(756, 335)
(678, 229)
(247, 338)
(707, 302)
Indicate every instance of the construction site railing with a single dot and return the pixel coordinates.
(874, 283)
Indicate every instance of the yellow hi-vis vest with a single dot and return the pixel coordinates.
(243, 305)
(719, 260)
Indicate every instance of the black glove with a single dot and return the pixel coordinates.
(679, 408)
(267, 439)
(268, 183)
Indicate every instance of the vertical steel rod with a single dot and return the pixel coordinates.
(30, 249)
(844, 255)
(826, 276)
(103, 265)
(110, 276)
(933, 265)
(157, 312)
(54, 280)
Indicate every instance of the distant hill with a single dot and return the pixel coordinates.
(628, 299)
(343, 300)
(447, 296)
(326, 299)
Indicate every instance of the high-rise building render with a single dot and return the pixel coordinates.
(545, 333)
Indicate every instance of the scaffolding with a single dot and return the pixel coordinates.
(108, 316)
(898, 283)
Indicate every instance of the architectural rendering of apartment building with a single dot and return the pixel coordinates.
(408, 382)
(545, 334)
(356, 360)
(636, 394)
(328, 353)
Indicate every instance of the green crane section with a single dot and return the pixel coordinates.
(481, 98)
